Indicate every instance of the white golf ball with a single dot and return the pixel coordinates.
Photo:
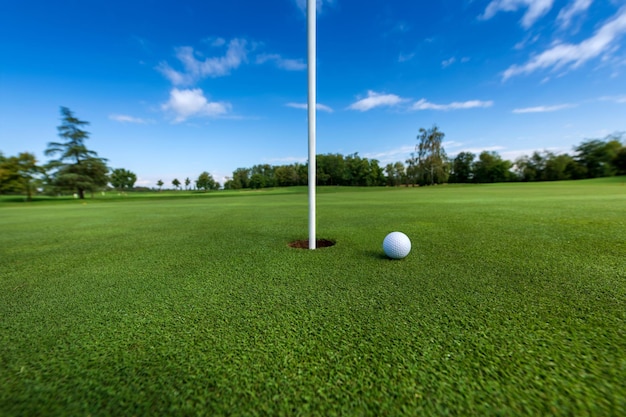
(397, 245)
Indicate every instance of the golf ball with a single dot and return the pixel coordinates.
(397, 245)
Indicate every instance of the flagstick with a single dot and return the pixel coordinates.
(311, 17)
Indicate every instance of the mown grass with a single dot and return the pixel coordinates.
(512, 302)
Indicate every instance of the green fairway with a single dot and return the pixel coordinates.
(512, 302)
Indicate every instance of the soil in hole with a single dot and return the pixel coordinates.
(304, 244)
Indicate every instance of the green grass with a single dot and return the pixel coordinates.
(512, 302)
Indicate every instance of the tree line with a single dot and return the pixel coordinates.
(429, 165)
(77, 169)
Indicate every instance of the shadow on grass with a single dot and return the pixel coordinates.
(376, 254)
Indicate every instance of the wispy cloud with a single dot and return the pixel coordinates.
(122, 118)
(451, 144)
(535, 9)
(374, 100)
(401, 27)
(543, 109)
(561, 55)
(568, 13)
(447, 62)
(280, 62)
(195, 69)
(405, 57)
(614, 99)
(528, 40)
(184, 104)
(305, 106)
(392, 155)
(423, 104)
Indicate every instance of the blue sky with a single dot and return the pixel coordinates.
(174, 88)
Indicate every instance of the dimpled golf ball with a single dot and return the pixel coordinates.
(397, 245)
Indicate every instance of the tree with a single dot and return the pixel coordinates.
(18, 174)
(530, 168)
(490, 167)
(432, 166)
(462, 168)
(257, 181)
(176, 183)
(620, 161)
(286, 176)
(77, 167)
(395, 174)
(240, 179)
(264, 171)
(597, 156)
(122, 179)
(558, 167)
(159, 184)
(412, 170)
(206, 182)
(187, 182)
(330, 169)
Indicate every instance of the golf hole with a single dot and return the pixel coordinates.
(304, 243)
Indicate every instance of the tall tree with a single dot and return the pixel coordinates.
(395, 173)
(160, 184)
(206, 182)
(490, 167)
(432, 162)
(240, 179)
(530, 168)
(462, 168)
(19, 173)
(286, 175)
(557, 167)
(122, 179)
(76, 167)
(412, 170)
(176, 183)
(597, 156)
(187, 182)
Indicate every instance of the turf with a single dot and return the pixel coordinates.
(512, 302)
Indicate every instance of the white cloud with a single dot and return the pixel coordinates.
(542, 109)
(215, 41)
(615, 99)
(283, 63)
(574, 8)
(305, 106)
(562, 54)
(392, 155)
(122, 118)
(175, 77)
(451, 144)
(528, 40)
(535, 9)
(376, 100)
(423, 104)
(405, 57)
(196, 69)
(447, 62)
(192, 103)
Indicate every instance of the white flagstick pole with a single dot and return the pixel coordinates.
(311, 17)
